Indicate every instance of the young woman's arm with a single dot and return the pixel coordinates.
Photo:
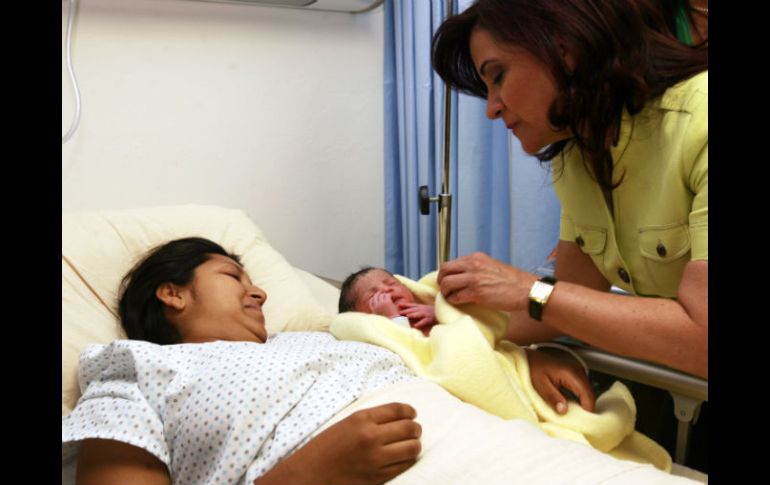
(107, 461)
(369, 447)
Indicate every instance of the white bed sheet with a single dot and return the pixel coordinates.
(463, 444)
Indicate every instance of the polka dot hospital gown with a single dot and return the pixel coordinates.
(222, 412)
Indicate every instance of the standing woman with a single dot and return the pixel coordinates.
(621, 107)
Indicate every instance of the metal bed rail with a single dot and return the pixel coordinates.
(688, 391)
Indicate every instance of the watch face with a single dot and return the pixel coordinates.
(540, 291)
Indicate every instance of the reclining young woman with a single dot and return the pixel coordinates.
(200, 394)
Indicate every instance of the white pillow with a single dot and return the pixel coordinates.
(98, 248)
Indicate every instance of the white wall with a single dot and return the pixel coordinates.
(276, 111)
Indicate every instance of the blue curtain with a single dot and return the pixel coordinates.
(502, 199)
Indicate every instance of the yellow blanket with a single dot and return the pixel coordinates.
(466, 355)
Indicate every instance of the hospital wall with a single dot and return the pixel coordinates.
(272, 110)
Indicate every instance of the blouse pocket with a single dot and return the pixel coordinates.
(591, 239)
(664, 243)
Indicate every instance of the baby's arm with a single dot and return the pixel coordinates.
(422, 317)
(381, 304)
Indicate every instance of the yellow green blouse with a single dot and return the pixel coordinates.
(660, 219)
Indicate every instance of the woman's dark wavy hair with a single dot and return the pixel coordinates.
(141, 312)
(624, 53)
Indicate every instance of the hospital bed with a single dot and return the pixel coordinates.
(98, 248)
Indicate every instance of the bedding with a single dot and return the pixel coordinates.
(461, 443)
(466, 355)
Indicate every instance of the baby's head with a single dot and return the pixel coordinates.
(359, 287)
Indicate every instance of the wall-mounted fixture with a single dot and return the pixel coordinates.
(351, 6)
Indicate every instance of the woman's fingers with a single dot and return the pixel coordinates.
(400, 430)
(397, 433)
(388, 472)
(460, 279)
(456, 288)
(550, 374)
(581, 389)
(551, 394)
(406, 450)
(478, 278)
(385, 413)
(369, 447)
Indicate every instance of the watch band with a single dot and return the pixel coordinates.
(538, 296)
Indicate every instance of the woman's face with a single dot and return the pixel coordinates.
(378, 280)
(520, 90)
(220, 303)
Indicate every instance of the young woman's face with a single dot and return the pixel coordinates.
(520, 90)
(378, 280)
(221, 303)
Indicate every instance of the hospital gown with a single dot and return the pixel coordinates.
(223, 412)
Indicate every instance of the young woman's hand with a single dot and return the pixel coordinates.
(478, 278)
(381, 304)
(422, 317)
(549, 374)
(369, 447)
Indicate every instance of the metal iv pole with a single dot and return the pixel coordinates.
(444, 199)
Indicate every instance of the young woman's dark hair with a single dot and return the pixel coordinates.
(141, 312)
(623, 51)
(347, 301)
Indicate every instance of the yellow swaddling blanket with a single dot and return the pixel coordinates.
(466, 355)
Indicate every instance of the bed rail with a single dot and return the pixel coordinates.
(688, 391)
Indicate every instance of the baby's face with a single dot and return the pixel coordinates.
(379, 280)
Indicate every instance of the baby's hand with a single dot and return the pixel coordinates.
(381, 304)
(421, 317)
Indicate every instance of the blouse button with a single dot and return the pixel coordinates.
(579, 241)
(661, 249)
(623, 275)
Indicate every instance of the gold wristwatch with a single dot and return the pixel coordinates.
(538, 296)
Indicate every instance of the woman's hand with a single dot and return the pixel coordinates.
(369, 447)
(478, 278)
(549, 374)
(381, 304)
(422, 317)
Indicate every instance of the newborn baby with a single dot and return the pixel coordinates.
(377, 291)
